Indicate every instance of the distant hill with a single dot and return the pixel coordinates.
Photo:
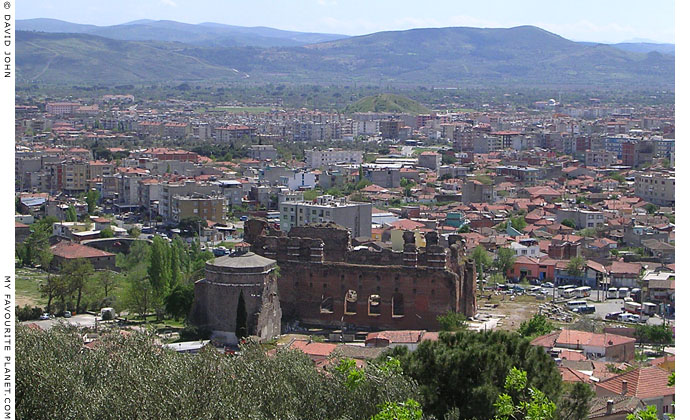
(473, 57)
(387, 103)
(206, 34)
(645, 47)
(81, 58)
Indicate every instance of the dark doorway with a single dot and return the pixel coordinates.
(241, 320)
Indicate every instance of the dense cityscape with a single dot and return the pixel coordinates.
(405, 252)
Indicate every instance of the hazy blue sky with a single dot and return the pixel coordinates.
(579, 20)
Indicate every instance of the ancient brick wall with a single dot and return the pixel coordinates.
(317, 294)
(324, 282)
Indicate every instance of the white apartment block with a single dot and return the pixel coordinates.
(354, 216)
(325, 158)
(657, 188)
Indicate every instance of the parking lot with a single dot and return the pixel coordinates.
(83, 320)
(601, 305)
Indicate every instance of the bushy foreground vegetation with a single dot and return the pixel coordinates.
(131, 378)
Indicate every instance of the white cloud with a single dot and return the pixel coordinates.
(170, 3)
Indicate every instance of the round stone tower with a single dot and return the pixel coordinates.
(238, 298)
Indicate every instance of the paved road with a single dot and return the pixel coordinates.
(84, 320)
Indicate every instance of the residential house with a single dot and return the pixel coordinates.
(610, 347)
(649, 384)
(624, 274)
(68, 251)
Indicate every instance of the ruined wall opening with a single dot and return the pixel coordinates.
(398, 304)
(326, 304)
(351, 302)
(241, 319)
(374, 305)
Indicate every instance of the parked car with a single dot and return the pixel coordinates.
(613, 315)
(44, 316)
(585, 310)
(547, 284)
(67, 314)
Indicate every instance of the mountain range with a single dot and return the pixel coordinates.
(164, 51)
(207, 34)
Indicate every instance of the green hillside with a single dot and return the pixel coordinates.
(470, 57)
(387, 103)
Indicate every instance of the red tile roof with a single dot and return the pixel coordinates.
(646, 382)
(71, 250)
(571, 375)
(406, 224)
(313, 348)
(619, 267)
(403, 336)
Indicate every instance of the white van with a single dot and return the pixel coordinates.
(573, 304)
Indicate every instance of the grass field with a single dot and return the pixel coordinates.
(27, 282)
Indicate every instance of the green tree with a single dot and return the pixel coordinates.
(505, 258)
(36, 244)
(576, 267)
(481, 362)
(536, 326)
(253, 385)
(54, 287)
(575, 402)
(310, 195)
(362, 183)
(159, 268)
(568, 222)
(482, 260)
(77, 274)
(71, 214)
(649, 413)
(107, 280)
(654, 334)
(178, 302)
(651, 208)
(452, 321)
(617, 176)
(92, 198)
(138, 295)
(518, 223)
(519, 402)
(107, 233)
(408, 410)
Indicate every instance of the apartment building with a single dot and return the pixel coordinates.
(233, 132)
(72, 176)
(354, 216)
(263, 152)
(583, 218)
(600, 158)
(169, 190)
(324, 158)
(390, 129)
(430, 160)
(62, 108)
(207, 207)
(99, 169)
(475, 192)
(658, 188)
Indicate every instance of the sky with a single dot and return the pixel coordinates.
(607, 21)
